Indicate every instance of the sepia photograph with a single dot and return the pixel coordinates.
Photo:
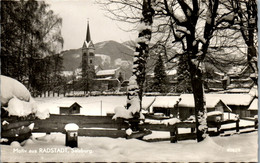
(129, 81)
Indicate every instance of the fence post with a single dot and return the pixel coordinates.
(176, 133)
(256, 123)
(237, 125)
(173, 134)
(218, 127)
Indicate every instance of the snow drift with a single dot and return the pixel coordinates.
(17, 100)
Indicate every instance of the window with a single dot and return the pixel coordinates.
(90, 61)
(91, 54)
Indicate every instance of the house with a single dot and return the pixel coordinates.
(164, 104)
(186, 106)
(238, 103)
(253, 108)
(110, 73)
(73, 109)
(108, 79)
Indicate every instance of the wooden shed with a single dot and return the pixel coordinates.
(239, 103)
(186, 106)
(73, 109)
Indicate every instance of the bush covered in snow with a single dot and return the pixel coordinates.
(17, 100)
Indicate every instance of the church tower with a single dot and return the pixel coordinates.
(88, 61)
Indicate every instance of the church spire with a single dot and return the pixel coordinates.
(88, 38)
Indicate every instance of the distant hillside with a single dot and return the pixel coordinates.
(115, 50)
(71, 59)
(130, 44)
(109, 54)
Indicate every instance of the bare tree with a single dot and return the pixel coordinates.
(30, 32)
(190, 28)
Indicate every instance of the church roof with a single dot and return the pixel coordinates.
(88, 42)
(88, 38)
(107, 72)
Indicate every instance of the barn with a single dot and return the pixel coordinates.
(239, 103)
(73, 109)
(186, 106)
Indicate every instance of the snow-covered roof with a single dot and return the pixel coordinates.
(213, 113)
(233, 99)
(165, 101)
(254, 105)
(253, 91)
(168, 72)
(107, 72)
(67, 105)
(187, 100)
(107, 78)
(236, 90)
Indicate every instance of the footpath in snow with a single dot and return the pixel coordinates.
(52, 148)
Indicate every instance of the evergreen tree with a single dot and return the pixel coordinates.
(160, 83)
(184, 83)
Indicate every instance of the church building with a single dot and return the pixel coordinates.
(94, 77)
(88, 61)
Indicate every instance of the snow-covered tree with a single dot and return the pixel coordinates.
(192, 28)
(136, 81)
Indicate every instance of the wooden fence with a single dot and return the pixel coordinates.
(104, 126)
(88, 125)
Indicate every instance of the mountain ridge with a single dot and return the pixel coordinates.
(108, 55)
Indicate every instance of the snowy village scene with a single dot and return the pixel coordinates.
(129, 81)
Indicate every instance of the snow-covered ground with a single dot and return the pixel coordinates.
(52, 148)
(93, 105)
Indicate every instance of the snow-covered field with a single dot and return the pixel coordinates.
(52, 148)
(94, 105)
(46, 148)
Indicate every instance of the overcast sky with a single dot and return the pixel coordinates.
(75, 14)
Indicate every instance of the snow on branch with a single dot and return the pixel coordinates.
(143, 26)
(135, 86)
(227, 17)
